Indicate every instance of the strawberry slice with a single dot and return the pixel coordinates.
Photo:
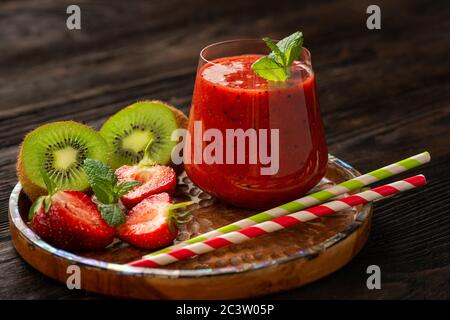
(72, 222)
(153, 180)
(152, 223)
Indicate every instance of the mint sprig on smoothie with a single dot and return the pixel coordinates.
(276, 65)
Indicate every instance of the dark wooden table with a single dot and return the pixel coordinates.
(384, 96)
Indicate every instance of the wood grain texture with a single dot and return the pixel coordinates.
(384, 95)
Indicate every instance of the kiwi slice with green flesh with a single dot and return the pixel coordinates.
(59, 149)
(141, 133)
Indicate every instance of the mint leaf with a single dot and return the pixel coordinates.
(102, 179)
(125, 187)
(96, 169)
(269, 69)
(276, 54)
(112, 214)
(104, 191)
(103, 182)
(275, 66)
(291, 46)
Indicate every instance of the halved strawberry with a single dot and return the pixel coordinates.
(71, 221)
(153, 180)
(152, 223)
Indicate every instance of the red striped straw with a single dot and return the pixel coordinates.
(177, 254)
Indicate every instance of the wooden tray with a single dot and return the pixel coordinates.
(279, 261)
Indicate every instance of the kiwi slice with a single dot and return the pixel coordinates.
(141, 133)
(59, 149)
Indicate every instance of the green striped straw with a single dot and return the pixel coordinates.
(311, 199)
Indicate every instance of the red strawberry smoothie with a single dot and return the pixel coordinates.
(228, 94)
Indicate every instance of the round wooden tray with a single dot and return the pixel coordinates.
(279, 261)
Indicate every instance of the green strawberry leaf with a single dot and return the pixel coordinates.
(178, 217)
(49, 184)
(147, 160)
(47, 203)
(35, 207)
(112, 214)
(41, 202)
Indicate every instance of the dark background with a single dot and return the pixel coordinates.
(384, 96)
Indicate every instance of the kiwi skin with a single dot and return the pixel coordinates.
(31, 189)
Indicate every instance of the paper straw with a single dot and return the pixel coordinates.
(235, 237)
(312, 199)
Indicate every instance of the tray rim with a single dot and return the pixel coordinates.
(309, 253)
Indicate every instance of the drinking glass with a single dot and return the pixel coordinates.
(289, 155)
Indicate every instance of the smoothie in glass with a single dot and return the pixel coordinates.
(228, 94)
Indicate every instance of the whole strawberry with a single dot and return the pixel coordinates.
(70, 220)
(152, 224)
